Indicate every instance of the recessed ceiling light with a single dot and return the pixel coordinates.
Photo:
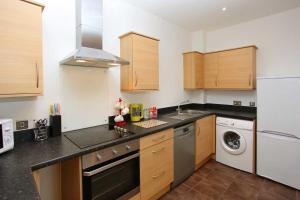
(81, 61)
(113, 64)
(224, 9)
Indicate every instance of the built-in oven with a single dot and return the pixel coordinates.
(112, 173)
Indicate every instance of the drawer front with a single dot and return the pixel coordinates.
(156, 168)
(156, 138)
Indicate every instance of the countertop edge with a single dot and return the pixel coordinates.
(126, 139)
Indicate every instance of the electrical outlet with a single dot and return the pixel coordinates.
(252, 104)
(237, 103)
(23, 124)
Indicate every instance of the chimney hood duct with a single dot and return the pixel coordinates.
(89, 53)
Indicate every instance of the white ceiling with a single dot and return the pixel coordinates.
(208, 15)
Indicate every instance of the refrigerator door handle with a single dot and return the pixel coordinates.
(280, 134)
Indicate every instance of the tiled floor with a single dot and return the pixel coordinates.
(217, 181)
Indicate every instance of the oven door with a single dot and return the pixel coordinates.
(115, 179)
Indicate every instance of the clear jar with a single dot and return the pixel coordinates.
(146, 113)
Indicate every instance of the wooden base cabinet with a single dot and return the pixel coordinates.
(156, 164)
(21, 71)
(205, 139)
(193, 70)
(61, 181)
(142, 73)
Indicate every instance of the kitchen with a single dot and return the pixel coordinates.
(87, 96)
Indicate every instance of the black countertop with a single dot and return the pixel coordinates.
(16, 180)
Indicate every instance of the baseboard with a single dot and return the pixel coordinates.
(203, 162)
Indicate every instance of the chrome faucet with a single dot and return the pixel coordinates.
(178, 108)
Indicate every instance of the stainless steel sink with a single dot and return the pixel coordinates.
(182, 116)
(196, 112)
(186, 114)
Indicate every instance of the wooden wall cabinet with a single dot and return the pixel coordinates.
(233, 69)
(21, 71)
(211, 61)
(143, 71)
(193, 70)
(205, 140)
(237, 69)
(156, 164)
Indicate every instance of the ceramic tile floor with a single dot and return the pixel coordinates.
(217, 181)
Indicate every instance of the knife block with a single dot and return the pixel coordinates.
(55, 124)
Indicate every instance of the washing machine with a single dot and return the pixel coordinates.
(235, 143)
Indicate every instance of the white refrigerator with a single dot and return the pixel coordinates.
(278, 129)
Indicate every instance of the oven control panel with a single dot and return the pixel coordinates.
(109, 153)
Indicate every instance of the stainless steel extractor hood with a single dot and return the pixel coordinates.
(89, 29)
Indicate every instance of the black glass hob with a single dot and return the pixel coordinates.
(87, 137)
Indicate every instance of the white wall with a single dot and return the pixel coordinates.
(199, 41)
(119, 18)
(80, 91)
(87, 94)
(278, 40)
(227, 97)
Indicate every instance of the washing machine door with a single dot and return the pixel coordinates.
(233, 142)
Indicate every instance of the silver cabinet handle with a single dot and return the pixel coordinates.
(37, 75)
(99, 157)
(216, 81)
(250, 79)
(110, 165)
(115, 152)
(136, 78)
(159, 175)
(159, 150)
(128, 147)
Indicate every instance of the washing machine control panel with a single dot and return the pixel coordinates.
(235, 123)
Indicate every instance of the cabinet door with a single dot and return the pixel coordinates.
(48, 182)
(61, 181)
(193, 70)
(205, 139)
(188, 71)
(145, 63)
(237, 69)
(156, 169)
(199, 71)
(126, 70)
(21, 48)
(211, 61)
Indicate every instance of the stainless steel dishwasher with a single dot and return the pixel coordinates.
(184, 153)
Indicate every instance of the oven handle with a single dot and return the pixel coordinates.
(110, 165)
